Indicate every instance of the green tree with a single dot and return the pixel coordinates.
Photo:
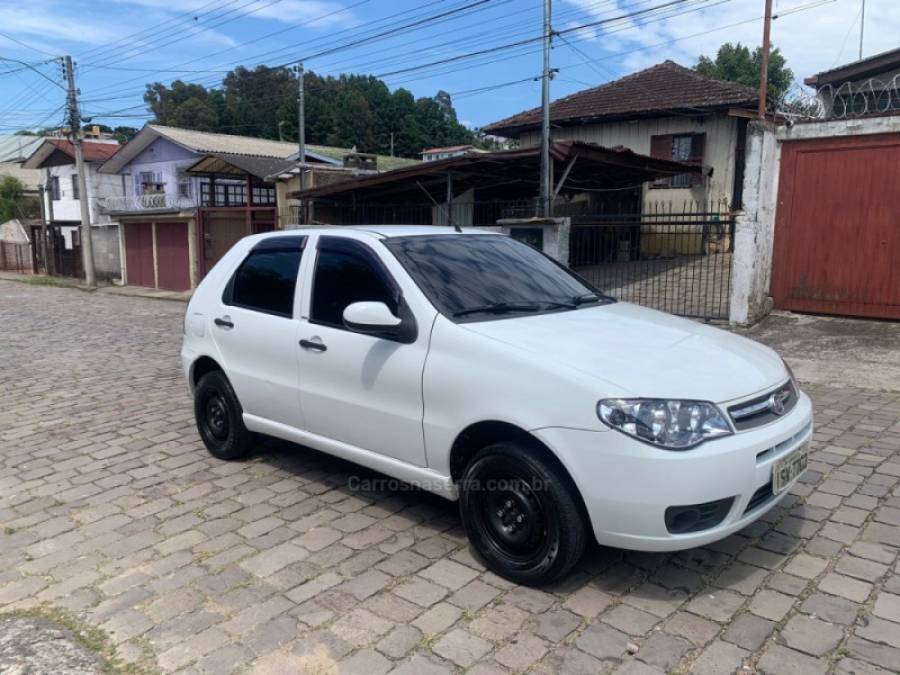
(736, 63)
(13, 202)
(346, 111)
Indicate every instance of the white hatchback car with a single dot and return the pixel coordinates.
(472, 365)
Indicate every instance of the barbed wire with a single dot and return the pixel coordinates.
(848, 100)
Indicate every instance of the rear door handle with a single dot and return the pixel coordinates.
(223, 322)
(309, 344)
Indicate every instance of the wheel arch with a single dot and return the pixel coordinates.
(481, 434)
(201, 366)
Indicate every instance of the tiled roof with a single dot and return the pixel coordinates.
(94, 151)
(659, 90)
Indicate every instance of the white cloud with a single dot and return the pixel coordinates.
(306, 12)
(810, 40)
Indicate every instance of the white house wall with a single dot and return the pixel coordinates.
(98, 184)
(719, 151)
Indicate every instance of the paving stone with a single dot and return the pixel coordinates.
(634, 667)
(718, 658)
(787, 583)
(806, 566)
(419, 665)
(771, 605)
(860, 568)
(663, 650)
(885, 656)
(845, 587)
(778, 660)
(438, 618)
(461, 647)
(879, 630)
(603, 641)
(521, 652)
(831, 608)
(629, 620)
(749, 631)
(400, 641)
(588, 601)
(693, 628)
(556, 625)
(811, 635)
(570, 661)
(360, 627)
(854, 667)
(716, 604)
(887, 606)
(364, 662)
(474, 595)
(498, 623)
(449, 574)
(421, 592)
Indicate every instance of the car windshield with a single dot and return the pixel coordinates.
(474, 277)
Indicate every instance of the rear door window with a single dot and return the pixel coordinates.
(267, 278)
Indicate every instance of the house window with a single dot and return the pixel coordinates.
(184, 188)
(53, 187)
(76, 193)
(687, 148)
(263, 195)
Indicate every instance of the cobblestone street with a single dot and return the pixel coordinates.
(113, 513)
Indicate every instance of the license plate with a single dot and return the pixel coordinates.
(788, 468)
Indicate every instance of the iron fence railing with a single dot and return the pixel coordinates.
(677, 263)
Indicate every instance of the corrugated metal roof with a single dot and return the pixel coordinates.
(662, 89)
(94, 151)
(17, 148)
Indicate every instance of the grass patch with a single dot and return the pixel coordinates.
(9, 530)
(47, 281)
(90, 638)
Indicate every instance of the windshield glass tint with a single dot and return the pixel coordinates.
(475, 276)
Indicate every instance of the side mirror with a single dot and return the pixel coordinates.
(374, 318)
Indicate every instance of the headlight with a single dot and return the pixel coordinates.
(675, 425)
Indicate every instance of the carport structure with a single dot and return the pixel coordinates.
(480, 188)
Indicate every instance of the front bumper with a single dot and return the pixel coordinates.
(627, 485)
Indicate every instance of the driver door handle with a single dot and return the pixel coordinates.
(309, 344)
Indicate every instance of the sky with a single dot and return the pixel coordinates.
(120, 45)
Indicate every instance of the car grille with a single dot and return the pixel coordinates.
(760, 497)
(697, 517)
(764, 409)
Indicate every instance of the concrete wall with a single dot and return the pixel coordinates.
(556, 234)
(755, 228)
(719, 152)
(107, 259)
(30, 178)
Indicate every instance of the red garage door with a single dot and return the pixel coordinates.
(139, 254)
(172, 256)
(837, 231)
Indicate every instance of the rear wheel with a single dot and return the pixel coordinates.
(521, 514)
(220, 418)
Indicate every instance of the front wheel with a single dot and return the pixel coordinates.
(220, 418)
(521, 514)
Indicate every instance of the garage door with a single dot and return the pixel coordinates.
(172, 256)
(837, 230)
(139, 254)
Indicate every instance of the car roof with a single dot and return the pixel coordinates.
(386, 230)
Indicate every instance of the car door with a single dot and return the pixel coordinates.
(255, 329)
(362, 390)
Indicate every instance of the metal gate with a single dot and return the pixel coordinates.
(677, 262)
(837, 229)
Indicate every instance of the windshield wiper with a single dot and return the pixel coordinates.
(509, 307)
(499, 308)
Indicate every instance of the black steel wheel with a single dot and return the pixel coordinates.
(219, 418)
(521, 514)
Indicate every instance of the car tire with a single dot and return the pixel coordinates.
(219, 418)
(522, 514)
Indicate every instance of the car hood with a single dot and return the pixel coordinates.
(644, 352)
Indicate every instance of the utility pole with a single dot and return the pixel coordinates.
(862, 26)
(301, 132)
(392, 144)
(764, 61)
(87, 247)
(545, 116)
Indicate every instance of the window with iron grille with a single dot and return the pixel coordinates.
(687, 148)
(53, 187)
(263, 195)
